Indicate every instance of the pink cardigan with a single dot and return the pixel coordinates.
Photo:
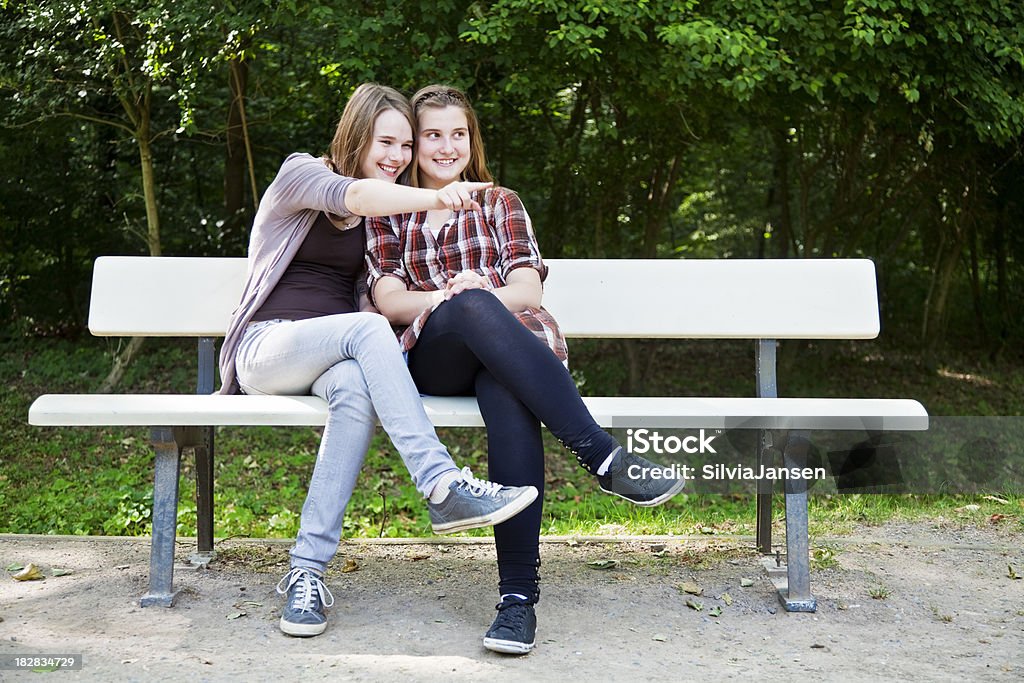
(304, 186)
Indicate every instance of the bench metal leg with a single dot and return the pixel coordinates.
(204, 499)
(767, 387)
(165, 518)
(764, 495)
(206, 364)
(795, 587)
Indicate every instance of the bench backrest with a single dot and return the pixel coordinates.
(694, 298)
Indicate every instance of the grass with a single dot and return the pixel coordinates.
(879, 592)
(99, 480)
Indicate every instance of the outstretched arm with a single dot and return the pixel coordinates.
(371, 197)
(304, 182)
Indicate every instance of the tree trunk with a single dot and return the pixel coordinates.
(947, 257)
(143, 138)
(149, 183)
(236, 155)
(122, 359)
(656, 213)
(779, 195)
(976, 296)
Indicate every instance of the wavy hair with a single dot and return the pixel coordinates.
(354, 134)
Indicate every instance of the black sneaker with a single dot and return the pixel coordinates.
(303, 613)
(640, 481)
(514, 630)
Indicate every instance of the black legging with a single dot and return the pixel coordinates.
(471, 345)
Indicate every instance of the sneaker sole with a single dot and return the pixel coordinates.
(302, 630)
(509, 647)
(513, 508)
(680, 483)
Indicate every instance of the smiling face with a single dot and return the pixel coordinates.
(443, 145)
(390, 150)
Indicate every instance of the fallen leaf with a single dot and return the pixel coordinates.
(419, 556)
(572, 543)
(660, 638)
(996, 518)
(236, 615)
(247, 604)
(29, 573)
(603, 564)
(15, 567)
(969, 508)
(996, 499)
(727, 599)
(61, 572)
(694, 605)
(746, 583)
(818, 646)
(1012, 574)
(690, 587)
(350, 566)
(715, 611)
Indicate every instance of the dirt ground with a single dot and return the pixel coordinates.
(906, 601)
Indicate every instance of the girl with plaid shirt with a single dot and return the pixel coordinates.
(465, 288)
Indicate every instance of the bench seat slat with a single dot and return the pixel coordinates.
(677, 412)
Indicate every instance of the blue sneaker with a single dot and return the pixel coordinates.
(307, 597)
(472, 503)
(514, 630)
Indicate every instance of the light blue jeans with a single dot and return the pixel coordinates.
(352, 361)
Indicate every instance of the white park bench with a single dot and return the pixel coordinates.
(760, 300)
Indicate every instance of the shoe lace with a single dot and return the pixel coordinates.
(477, 487)
(511, 614)
(307, 586)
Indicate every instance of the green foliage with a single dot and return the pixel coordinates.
(887, 129)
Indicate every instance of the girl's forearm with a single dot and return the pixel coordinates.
(371, 197)
(518, 296)
(522, 290)
(399, 305)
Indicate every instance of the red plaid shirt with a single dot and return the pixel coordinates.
(492, 243)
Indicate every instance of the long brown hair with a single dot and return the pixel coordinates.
(440, 96)
(354, 133)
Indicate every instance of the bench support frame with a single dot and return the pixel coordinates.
(793, 581)
(168, 443)
(204, 460)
